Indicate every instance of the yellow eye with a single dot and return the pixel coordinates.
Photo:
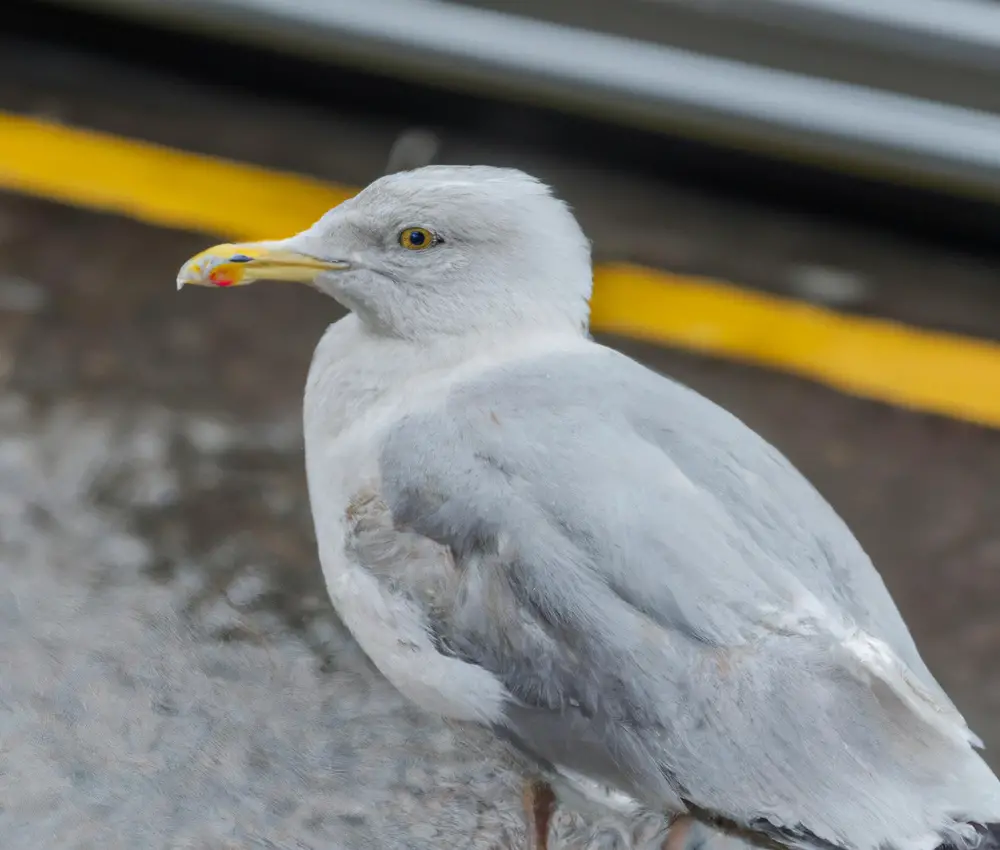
(416, 238)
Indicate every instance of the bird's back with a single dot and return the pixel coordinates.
(777, 521)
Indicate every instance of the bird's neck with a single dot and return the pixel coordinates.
(354, 369)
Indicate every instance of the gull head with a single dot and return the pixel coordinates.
(441, 250)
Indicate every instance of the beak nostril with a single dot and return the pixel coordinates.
(240, 258)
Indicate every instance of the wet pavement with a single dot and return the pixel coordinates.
(171, 674)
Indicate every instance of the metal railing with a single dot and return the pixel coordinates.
(905, 90)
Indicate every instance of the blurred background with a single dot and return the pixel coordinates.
(171, 674)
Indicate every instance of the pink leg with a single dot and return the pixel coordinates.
(539, 805)
(677, 835)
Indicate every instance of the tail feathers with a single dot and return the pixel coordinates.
(991, 840)
(702, 836)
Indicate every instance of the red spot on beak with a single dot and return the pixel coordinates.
(219, 280)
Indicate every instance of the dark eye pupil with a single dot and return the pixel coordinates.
(417, 238)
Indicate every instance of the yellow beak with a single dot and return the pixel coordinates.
(239, 264)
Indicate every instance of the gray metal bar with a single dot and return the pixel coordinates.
(841, 125)
(966, 32)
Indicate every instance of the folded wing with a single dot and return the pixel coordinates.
(672, 609)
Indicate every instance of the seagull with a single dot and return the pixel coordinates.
(530, 531)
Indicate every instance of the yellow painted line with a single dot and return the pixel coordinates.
(911, 367)
(155, 184)
(874, 358)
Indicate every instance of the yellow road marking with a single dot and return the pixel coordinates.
(920, 369)
(156, 184)
(873, 358)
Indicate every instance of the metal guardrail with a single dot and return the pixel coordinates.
(906, 90)
(967, 33)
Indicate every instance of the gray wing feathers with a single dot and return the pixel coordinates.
(671, 605)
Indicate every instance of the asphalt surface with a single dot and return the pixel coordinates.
(171, 674)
